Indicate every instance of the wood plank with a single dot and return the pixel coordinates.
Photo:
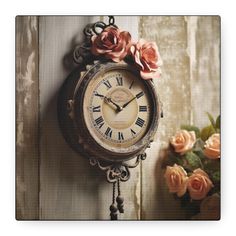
(66, 177)
(189, 87)
(27, 152)
(204, 38)
(170, 34)
(70, 187)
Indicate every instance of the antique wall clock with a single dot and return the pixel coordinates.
(107, 108)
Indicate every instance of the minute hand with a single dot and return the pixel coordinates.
(126, 104)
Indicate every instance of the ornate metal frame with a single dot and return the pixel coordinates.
(118, 170)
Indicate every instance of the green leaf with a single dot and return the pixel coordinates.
(192, 128)
(211, 119)
(216, 176)
(211, 165)
(200, 154)
(171, 159)
(207, 132)
(193, 161)
(218, 122)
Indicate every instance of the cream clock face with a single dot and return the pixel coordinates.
(116, 109)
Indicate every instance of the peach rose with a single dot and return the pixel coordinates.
(112, 43)
(176, 179)
(147, 58)
(183, 141)
(199, 184)
(212, 147)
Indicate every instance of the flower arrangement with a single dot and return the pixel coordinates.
(117, 45)
(192, 169)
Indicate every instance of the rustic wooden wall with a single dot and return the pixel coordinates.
(53, 182)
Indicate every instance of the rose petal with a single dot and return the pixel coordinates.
(150, 75)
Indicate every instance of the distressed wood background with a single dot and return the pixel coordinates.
(53, 182)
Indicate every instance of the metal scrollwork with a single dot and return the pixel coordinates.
(119, 170)
(82, 52)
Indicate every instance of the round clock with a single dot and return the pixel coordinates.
(108, 112)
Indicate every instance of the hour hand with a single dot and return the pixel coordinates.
(109, 100)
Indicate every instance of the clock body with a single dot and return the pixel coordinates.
(107, 111)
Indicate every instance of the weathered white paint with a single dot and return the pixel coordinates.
(26, 118)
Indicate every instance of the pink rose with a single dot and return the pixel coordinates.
(147, 58)
(112, 43)
(183, 141)
(176, 179)
(212, 147)
(199, 184)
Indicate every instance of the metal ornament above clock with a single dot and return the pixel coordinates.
(108, 108)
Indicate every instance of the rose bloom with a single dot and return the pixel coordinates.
(183, 141)
(112, 43)
(199, 184)
(147, 58)
(212, 147)
(176, 179)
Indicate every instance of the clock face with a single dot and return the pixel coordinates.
(116, 108)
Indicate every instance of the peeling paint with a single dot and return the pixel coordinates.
(191, 49)
(137, 197)
(29, 37)
(25, 79)
(31, 29)
(20, 134)
(27, 171)
(33, 23)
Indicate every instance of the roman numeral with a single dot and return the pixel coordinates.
(107, 83)
(98, 95)
(119, 81)
(139, 122)
(97, 109)
(120, 136)
(142, 108)
(132, 132)
(140, 94)
(108, 132)
(99, 122)
(131, 84)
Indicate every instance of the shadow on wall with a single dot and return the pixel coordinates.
(68, 62)
(67, 179)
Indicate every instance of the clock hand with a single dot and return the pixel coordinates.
(109, 100)
(126, 104)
